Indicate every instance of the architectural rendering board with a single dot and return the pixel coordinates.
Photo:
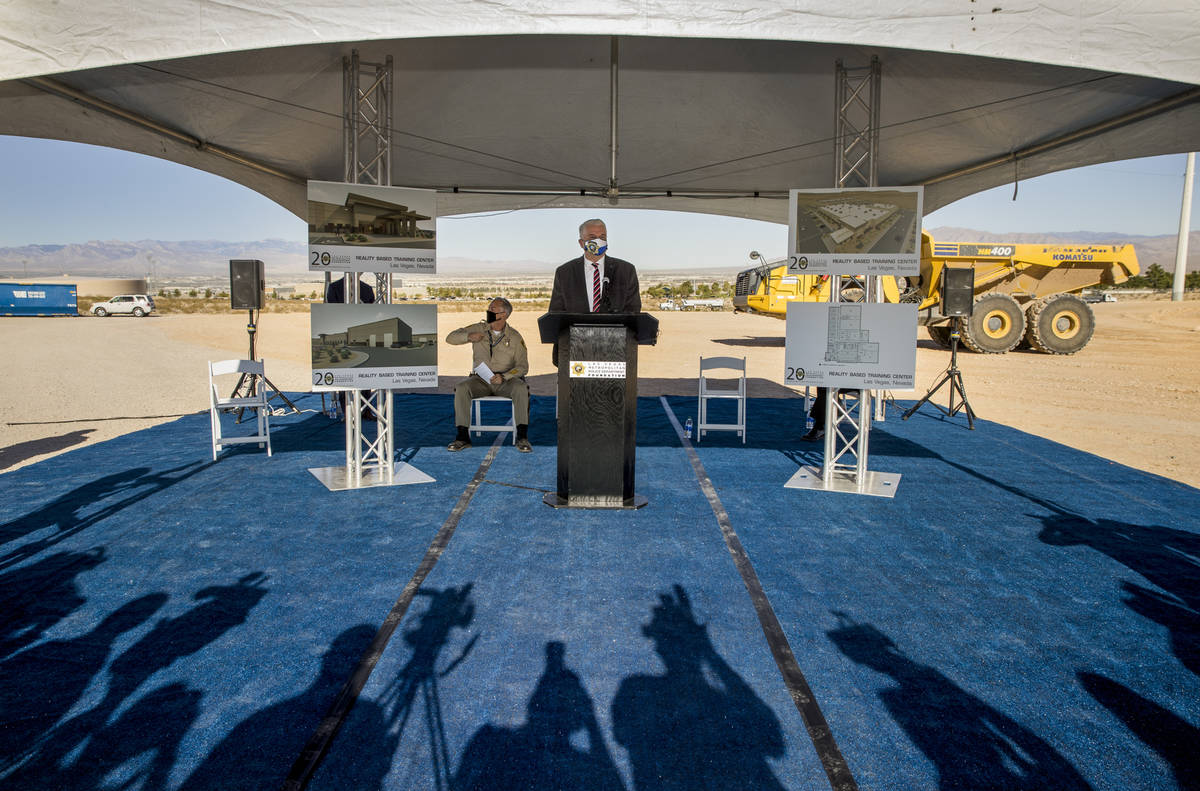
(360, 347)
(861, 346)
(364, 228)
(858, 231)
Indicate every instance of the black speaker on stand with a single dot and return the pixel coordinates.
(958, 291)
(247, 282)
(958, 302)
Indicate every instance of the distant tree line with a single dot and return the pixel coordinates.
(689, 289)
(460, 292)
(1158, 278)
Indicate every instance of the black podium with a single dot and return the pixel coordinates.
(597, 405)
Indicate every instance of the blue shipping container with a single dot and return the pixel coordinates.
(38, 299)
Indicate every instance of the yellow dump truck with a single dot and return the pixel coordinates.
(1025, 294)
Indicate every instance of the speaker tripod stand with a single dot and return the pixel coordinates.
(953, 377)
(247, 384)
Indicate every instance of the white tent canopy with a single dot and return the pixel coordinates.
(509, 102)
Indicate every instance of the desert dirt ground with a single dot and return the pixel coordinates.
(1132, 396)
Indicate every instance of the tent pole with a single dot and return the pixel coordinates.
(614, 57)
(1185, 221)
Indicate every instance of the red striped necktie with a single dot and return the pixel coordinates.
(595, 286)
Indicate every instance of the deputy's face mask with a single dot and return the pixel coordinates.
(492, 317)
(595, 246)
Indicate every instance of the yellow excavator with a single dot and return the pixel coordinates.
(1025, 294)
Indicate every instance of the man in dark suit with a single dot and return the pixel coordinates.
(595, 282)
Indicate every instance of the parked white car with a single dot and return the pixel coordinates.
(135, 304)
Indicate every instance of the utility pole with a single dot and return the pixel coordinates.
(1185, 218)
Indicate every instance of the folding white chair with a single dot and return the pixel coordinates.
(477, 426)
(709, 391)
(257, 402)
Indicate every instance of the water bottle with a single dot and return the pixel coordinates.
(808, 423)
(687, 428)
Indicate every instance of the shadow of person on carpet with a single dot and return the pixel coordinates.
(971, 744)
(86, 505)
(41, 684)
(381, 722)
(137, 750)
(257, 752)
(15, 454)
(59, 762)
(35, 597)
(1162, 730)
(542, 754)
(1168, 558)
(700, 725)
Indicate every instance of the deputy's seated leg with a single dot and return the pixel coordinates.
(464, 391)
(518, 391)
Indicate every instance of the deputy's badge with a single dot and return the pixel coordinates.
(577, 368)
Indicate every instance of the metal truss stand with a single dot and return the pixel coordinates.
(847, 425)
(367, 127)
(856, 140)
(953, 377)
(856, 134)
(848, 415)
(369, 462)
(844, 468)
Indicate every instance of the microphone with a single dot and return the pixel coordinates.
(605, 297)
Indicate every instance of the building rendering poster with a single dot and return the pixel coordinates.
(855, 231)
(372, 347)
(858, 346)
(364, 228)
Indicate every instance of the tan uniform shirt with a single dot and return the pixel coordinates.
(504, 354)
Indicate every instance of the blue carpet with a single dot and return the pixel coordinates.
(1020, 615)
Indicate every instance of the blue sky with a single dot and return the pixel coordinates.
(56, 193)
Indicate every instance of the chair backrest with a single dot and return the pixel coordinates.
(222, 367)
(709, 363)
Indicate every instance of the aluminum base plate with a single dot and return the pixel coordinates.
(554, 501)
(876, 484)
(338, 479)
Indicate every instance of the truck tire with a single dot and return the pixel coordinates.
(139, 312)
(996, 326)
(1060, 324)
(101, 312)
(940, 335)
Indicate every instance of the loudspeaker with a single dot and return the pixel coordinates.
(958, 291)
(246, 284)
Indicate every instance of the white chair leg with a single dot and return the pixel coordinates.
(266, 417)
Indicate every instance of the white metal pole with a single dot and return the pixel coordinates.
(1185, 218)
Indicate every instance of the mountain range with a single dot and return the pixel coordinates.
(161, 260)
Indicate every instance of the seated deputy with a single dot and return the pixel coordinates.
(503, 350)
